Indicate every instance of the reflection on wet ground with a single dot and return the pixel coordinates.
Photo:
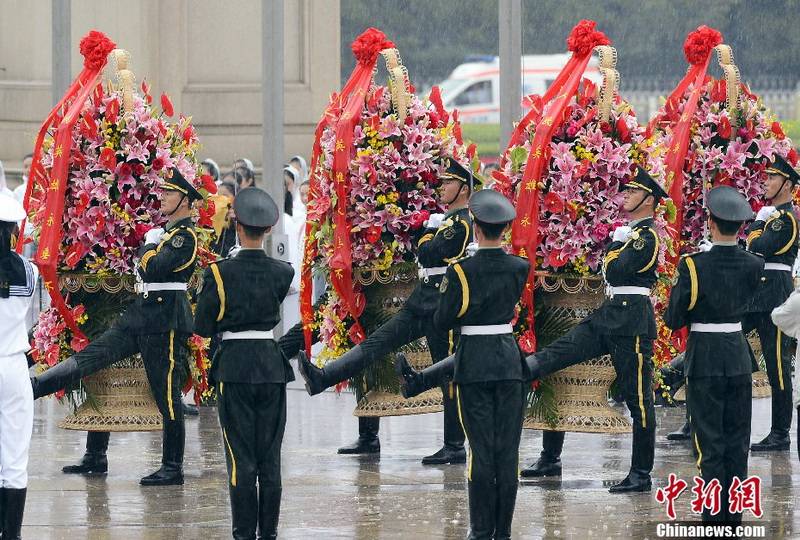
(330, 496)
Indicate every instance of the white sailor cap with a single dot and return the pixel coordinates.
(10, 209)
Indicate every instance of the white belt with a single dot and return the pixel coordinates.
(777, 266)
(145, 288)
(486, 330)
(717, 328)
(641, 291)
(248, 334)
(426, 273)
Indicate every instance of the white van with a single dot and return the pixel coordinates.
(473, 87)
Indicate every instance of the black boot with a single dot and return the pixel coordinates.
(13, 508)
(94, 461)
(778, 438)
(244, 511)
(506, 500)
(549, 462)
(416, 382)
(367, 442)
(482, 508)
(453, 449)
(171, 471)
(269, 510)
(684, 433)
(190, 409)
(345, 367)
(642, 454)
(798, 432)
(59, 376)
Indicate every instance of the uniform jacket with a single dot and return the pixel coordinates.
(776, 240)
(173, 259)
(483, 290)
(715, 287)
(20, 282)
(632, 263)
(437, 248)
(245, 293)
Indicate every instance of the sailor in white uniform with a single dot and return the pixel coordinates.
(17, 282)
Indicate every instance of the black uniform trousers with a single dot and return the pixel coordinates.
(720, 413)
(253, 420)
(491, 414)
(403, 328)
(777, 349)
(165, 357)
(632, 360)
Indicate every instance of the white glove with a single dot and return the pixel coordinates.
(764, 213)
(621, 234)
(434, 221)
(234, 250)
(705, 245)
(472, 247)
(153, 236)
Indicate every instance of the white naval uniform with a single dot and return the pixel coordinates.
(16, 395)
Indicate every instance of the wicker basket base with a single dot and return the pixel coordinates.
(382, 403)
(121, 401)
(581, 397)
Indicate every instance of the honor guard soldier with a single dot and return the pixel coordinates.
(241, 299)
(157, 324)
(710, 298)
(623, 326)
(444, 240)
(17, 283)
(479, 295)
(773, 235)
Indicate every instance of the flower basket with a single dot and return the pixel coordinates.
(580, 391)
(386, 292)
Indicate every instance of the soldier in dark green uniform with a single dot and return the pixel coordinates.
(773, 235)
(444, 240)
(479, 295)
(711, 297)
(623, 326)
(241, 299)
(157, 324)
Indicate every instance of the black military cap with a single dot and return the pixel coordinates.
(725, 202)
(782, 167)
(176, 182)
(644, 181)
(489, 206)
(457, 171)
(255, 208)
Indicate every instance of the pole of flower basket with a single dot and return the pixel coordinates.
(62, 45)
(510, 30)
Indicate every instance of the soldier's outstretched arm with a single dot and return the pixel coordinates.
(447, 243)
(294, 339)
(209, 305)
(773, 237)
(637, 255)
(159, 263)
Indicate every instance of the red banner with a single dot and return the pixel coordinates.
(95, 47)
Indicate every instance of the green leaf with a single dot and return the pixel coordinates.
(518, 156)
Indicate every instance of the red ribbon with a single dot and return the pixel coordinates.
(95, 47)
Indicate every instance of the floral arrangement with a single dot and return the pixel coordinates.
(392, 181)
(580, 197)
(118, 162)
(724, 149)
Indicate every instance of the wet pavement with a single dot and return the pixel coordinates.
(330, 496)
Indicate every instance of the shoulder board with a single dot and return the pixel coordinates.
(686, 255)
(462, 259)
(759, 255)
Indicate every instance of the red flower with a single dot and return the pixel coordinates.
(471, 149)
(145, 88)
(584, 38)
(368, 45)
(207, 214)
(778, 130)
(623, 131)
(74, 255)
(418, 218)
(166, 105)
(724, 128)
(555, 259)
(719, 92)
(435, 97)
(87, 126)
(188, 134)
(356, 334)
(125, 170)
(95, 47)
(138, 169)
(699, 44)
(78, 343)
(359, 304)
(553, 203)
(112, 111)
(373, 234)
(791, 157)
(158, 164)
(208, 183)
(605, 127)
(108, 158)
(527, 342)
